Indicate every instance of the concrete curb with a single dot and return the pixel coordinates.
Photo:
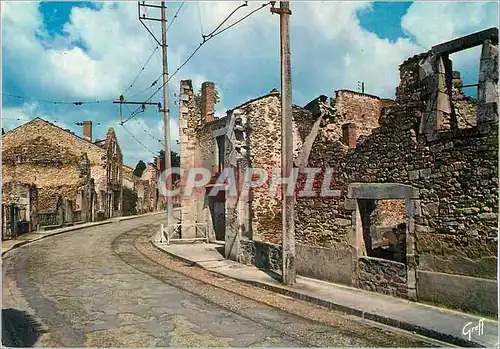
(427, 332)
(126, 218)
(76, 227)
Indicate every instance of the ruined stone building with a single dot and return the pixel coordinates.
(19, 204)
(77, 180)
(148, 198)
(417, 180)
(128, 177)
(129, 196)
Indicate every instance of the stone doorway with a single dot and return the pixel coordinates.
(218, 213)
(390, 274)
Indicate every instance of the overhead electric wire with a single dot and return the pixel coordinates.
(199, 18)
(229, 16)
(155, 41)
(241, 19)
(138, 141)
(147, 88)
(206, 38)
(149, 134)
(141, 70)
(57, 102)
(175, 16)
(145, 128)
(158, 56)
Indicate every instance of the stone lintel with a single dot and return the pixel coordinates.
(466, 42)
(380, 191)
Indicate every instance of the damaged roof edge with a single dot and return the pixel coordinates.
(56, 126)
(272, 93)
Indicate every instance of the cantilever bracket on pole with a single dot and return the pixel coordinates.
(279, 10)
(147, 18)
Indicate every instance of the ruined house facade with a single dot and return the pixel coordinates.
(416, 216)
(148, 199)
(77, 180)
(19, 203)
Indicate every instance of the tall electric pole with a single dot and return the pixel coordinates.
(165, 110)
(288, 219)
(166, 116)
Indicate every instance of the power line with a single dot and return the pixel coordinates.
(242, 19)
(149, 134)
(146, 129)
(95, 123)
(77, 103)
(138, 141)
(175, 16)
(199, 18)
(158, 58)
(205, 40)
(141, 70)
(147, 88)
(224, 21)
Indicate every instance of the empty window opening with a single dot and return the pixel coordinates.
(384, 228)
(464, 85)
(221, 149)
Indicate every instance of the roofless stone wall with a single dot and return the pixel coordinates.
(453, 166)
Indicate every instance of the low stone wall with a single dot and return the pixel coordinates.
(470, 294)
(382, 276)
(263, 255)
(328, 264)
(332, 265)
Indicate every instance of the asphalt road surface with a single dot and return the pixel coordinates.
(106, 286)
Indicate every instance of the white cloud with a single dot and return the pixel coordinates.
(13, 117)
(431, 23)
(330, 52)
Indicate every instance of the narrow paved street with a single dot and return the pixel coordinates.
(96, 287)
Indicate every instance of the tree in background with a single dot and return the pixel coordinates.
(129, 202)
(175, 160)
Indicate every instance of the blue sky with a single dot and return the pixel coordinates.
(92, 51)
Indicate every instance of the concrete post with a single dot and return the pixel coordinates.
(288, 219)
(487, 110)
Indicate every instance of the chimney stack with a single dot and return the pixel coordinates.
(207, 101)
(87, 130)
(349, 135)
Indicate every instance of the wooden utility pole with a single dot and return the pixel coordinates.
(288, 219)
(165, 110)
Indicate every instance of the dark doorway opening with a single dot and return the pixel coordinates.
(384, 228)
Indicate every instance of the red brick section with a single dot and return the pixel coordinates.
(208, 105)
(349, 134)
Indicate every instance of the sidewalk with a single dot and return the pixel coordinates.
(437, 323)
(26, 238)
